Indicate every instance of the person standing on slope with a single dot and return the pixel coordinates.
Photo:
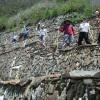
(69, 32)
(25, 32)
(84, 28)
(42, 35)
(97, 13)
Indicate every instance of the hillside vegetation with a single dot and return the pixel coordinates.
(11, 7)
(44, 9)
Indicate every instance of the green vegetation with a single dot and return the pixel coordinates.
(11, 7)
(47, 10)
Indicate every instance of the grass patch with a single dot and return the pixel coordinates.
(46, 11)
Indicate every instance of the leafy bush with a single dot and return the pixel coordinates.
(3, 23)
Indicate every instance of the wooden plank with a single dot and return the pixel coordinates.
(78, 47)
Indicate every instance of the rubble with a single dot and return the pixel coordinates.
(49, 73)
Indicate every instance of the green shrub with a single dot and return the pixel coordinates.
(46, 11)
(3, 23)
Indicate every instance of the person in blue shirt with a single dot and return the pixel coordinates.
(25, 32)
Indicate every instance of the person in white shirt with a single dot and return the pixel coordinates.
(42, 34)
(2, 97)
(84, 28)
(14, 38)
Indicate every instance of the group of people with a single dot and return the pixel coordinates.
(22, 36)
(69, 32)
(67, 28)
(40, 29)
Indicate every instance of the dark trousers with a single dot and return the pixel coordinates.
(83, 35)
(14, 40)
(99, 38)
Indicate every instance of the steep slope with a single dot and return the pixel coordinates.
(36, 61)
(37, 73)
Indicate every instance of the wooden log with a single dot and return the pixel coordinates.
(78, 47)
(25, 85)
(56, 76)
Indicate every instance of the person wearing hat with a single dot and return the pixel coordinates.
(69, 32)
(84, 28)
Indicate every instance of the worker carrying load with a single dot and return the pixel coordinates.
(69, 32)
(84, 28)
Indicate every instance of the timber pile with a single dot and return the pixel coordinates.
(54, 87)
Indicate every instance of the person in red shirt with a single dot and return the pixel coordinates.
(69, 32)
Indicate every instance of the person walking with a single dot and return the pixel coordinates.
(42, 34)
(84, 28)
(14, 39)
(25, 32)
(38, 27)
(69, 32)
(97, 13)
(23, 36)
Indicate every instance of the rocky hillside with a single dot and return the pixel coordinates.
(27, 70)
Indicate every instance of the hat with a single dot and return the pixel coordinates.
(68, 20)
(96, 12)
